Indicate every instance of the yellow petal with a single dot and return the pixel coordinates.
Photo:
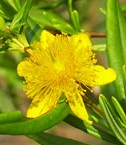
(103, 76)
(43, 105)
(27, 70)
(46, 39)
(82, 41)
(24, 68)
(77, 106)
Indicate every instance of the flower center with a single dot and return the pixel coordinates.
(58, 67)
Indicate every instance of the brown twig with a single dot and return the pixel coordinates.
(97, 34)
(92, 104)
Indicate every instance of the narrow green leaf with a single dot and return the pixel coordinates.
(110, 117)
(74, 15)
(10, 117)
(16, 4)
(119, 109)
(32, 126)
(115, 44)
(122, 26)
(7, 9)
(21, 16)
(50, 20)
(50, 5)
(49, 139)
(76, 20)
(99, 47)
(33, 30)
(2, 14)
(2, 23)
(92, 130)
(103, 11)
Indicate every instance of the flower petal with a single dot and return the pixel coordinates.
(46, 39)
(103, 76)
(77, 105)
(41, 105)
(83, 53)
(82, 41)
(25, 69)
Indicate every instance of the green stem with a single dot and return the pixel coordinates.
(92, 130)
(41, 123)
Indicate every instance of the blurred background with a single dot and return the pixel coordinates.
(12, 96)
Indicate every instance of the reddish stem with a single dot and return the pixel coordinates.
(97, 34)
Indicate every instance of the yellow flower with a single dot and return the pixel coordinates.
(58, 65)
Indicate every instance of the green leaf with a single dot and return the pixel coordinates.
(33, 30)
(76, 20)
(91, 130)
(11, 117)
(48, 139)
(74, 15)
(2, 14)
(50, 20)
(110, 117)
(119, 109)
(116, 43)
(21, 17)
(16, 4)
(99, 47)
(50, 5)
(122, 26)
(8, 10)
(2, 23)
(32, 126)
